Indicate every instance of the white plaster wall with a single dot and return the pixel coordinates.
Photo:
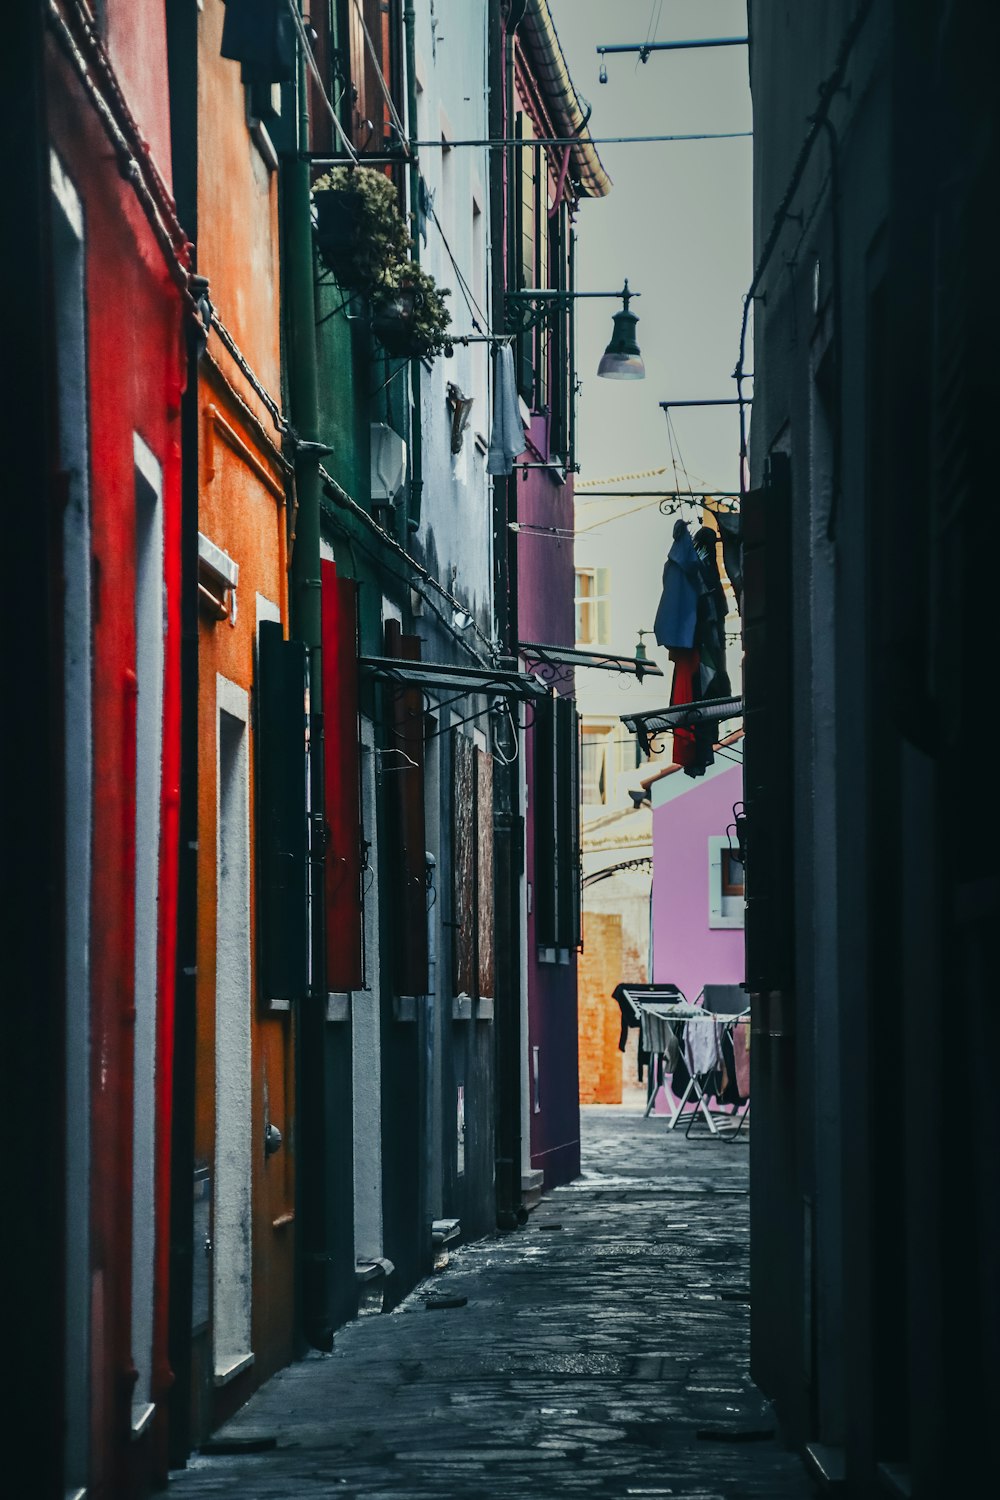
(456, 524)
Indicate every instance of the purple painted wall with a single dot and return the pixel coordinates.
(546, 615)
(545, 587)
(686, 950)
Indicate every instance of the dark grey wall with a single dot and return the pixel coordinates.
(873, 360)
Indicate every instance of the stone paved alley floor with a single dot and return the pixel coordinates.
(603, 1350)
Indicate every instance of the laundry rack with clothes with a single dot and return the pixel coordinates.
(702, 1050)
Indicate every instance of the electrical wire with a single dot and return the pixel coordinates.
(651, 29)
(468, 295)
(344, 500)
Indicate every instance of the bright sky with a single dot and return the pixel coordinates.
(677, 223)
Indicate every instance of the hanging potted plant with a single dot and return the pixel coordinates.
(360, 233)
(409, 316)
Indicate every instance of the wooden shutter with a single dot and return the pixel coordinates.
(403, 786)
(767, 765)
(544, 819)
(484, 872)
(463, 824)
(568, 823)
(342, 782)
(370, 103)
(525, 274)
(281, 827)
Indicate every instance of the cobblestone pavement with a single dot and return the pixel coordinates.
(602, 1350)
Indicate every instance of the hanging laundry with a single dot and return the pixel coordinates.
(507, 437)
(682, 690)
(712, 678)
(691, 622)
(741, 1056)
(683, 585)
(731, 527)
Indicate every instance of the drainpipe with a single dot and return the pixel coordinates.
(508, 824)
(416, 437)
(314, 1290)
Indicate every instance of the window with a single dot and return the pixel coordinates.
(593, 606)
(732, 873)
(594, 767)
(726, 901)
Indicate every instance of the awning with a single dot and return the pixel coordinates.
(562, 99)
(548, 657)
(680, 716)
(438, 677)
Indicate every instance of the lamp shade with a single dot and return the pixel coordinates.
(621, 360)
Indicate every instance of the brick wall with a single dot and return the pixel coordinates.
(600, 969)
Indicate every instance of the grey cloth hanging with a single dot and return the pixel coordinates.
(507, 437)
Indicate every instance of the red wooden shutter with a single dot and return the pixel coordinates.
(342, 786)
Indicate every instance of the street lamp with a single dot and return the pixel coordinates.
(621, 360)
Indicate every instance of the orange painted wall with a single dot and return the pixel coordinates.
(599, 970)
(242, 509)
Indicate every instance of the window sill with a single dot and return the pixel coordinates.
(461, 1008)
(338, 1006)
(230, 1372)
(142, 1415)
(404, 1008)
(264, 144)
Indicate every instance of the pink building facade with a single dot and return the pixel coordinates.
(696, 932)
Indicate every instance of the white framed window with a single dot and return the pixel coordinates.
(726, 894)
(593, 606)
(594, 766)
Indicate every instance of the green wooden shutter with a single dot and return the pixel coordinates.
(281, 826)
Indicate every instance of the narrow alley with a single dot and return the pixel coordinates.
(603, 1349)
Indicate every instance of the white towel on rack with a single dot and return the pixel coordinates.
(507, 437)
(701, 1046)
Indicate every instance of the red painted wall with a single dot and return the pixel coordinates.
(135, 371)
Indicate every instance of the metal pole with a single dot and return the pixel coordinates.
(645, 48)
(416, 431)
(306, 626)
(724, 401)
